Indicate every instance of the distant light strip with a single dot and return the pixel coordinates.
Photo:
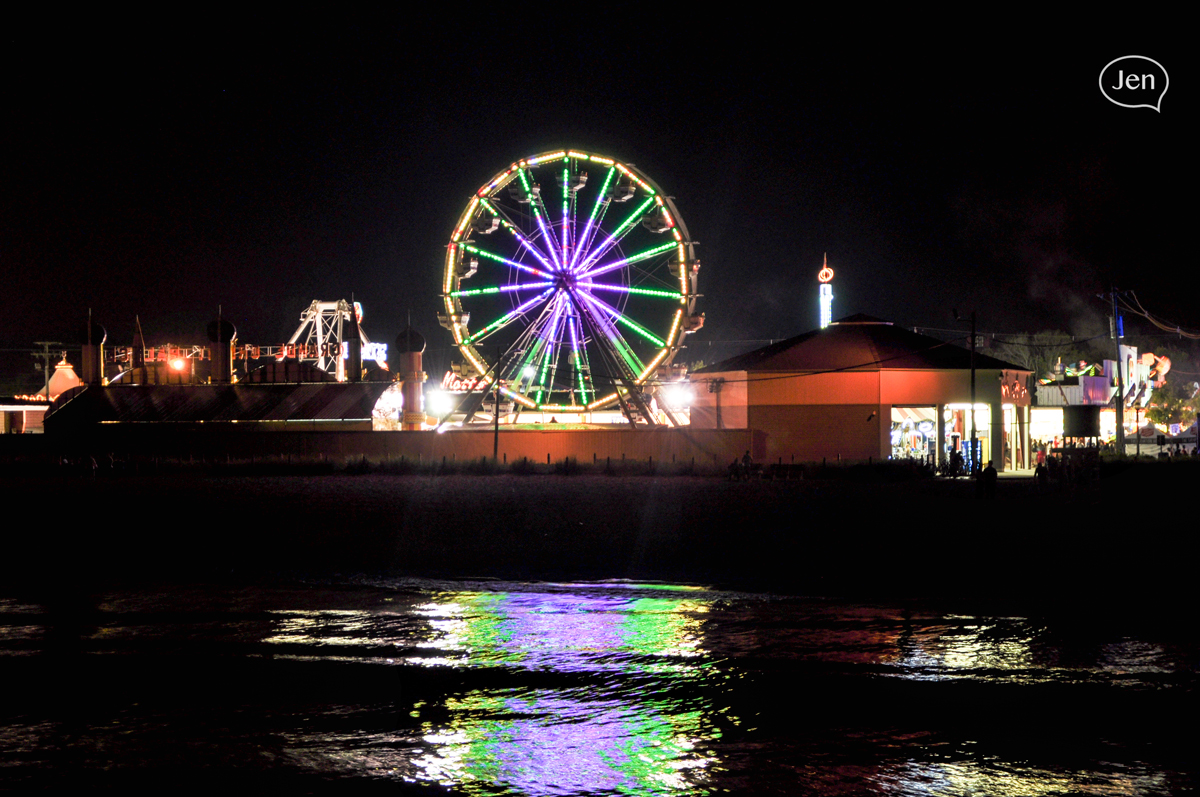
(674, 326)
(600, 402)
(653, 364)
(544, 158)
(625, 171)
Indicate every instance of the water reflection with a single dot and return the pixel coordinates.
(546, 742)
(602, 737)
(595, 688)
(565, 631)
(1004, 779)
(619, 720)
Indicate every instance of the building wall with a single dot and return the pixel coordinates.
(926, 388)
(807, 417)
(808, 433)
(724, 408)
(848, 387)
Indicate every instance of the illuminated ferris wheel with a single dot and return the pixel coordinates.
(571, 279)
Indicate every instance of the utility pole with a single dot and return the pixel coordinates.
(1118, 333)
(44, 354)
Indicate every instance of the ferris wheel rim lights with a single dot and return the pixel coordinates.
(566, 271)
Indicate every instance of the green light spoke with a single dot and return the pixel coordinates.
(649, 253)
(590, 229)
(638, 328)
(612, 240)
(591, 286)
(507, 224)
(505, 319)
(539, 214)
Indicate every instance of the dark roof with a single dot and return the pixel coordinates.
(222, 403)
(858, 342)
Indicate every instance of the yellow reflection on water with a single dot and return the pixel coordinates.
(1007, 780)
(324, 627)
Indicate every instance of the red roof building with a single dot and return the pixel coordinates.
(865, 389)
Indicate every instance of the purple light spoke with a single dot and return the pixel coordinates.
(617, 235)
(584, 241)
(503, 321)
(639, 257)
(616, 315)
(551, 241)
(521, 239)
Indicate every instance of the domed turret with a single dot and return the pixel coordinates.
(410, 340)
(405, 359)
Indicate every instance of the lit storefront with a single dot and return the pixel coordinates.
(864, 389)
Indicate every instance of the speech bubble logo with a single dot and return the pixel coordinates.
(1134, 81)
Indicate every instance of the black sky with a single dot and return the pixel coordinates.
(166, 172)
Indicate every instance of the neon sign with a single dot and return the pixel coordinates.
(457, 383)
(825, 276)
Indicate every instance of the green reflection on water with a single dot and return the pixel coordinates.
(601, 734)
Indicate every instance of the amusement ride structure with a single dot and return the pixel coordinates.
(569, 282)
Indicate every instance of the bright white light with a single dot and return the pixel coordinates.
(438, 402)
(530, 371)
(177, 364)
(826, 291)
(678, 396)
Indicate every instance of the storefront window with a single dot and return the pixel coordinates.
(914, 433)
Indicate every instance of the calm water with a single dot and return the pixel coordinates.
(588, 688)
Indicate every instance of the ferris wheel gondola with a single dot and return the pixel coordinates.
(571, 298)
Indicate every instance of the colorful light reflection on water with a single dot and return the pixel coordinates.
(547, 741)
(542, 689)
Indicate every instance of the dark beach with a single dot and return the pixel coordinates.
(858, 533)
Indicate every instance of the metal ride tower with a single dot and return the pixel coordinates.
(582, 289)
(321, 331)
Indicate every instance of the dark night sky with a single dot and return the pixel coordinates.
(319, 157)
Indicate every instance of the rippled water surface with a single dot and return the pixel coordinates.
(586, 688)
